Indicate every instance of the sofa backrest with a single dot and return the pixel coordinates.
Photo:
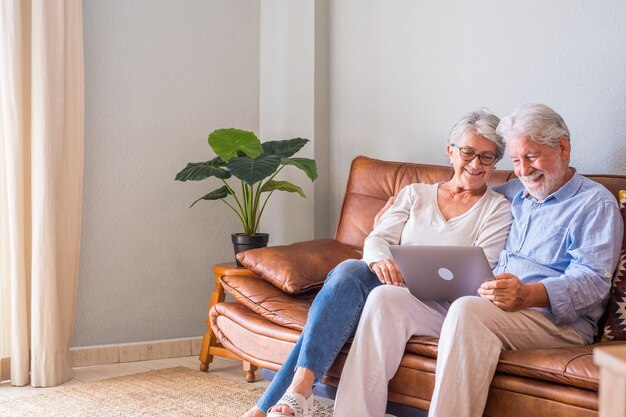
(372, 182)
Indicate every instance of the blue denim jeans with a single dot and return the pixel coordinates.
(332, 319)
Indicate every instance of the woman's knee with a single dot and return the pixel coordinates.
(383, 301)
(349, 272)
(349, 266)
(385, 294)
(468, 308)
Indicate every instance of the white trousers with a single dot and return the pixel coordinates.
(472, 336)
(390, 317)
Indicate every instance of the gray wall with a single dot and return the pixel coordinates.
(402, 72)
(159, 76)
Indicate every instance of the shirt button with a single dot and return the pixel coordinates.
(524, 226)
(607, 274)
(502, 263)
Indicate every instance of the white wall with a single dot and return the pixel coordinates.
(293, 102)
(162, 74)
(402, 72)
(159, 76)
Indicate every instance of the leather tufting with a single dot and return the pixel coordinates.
(268, 301)
(242, 332)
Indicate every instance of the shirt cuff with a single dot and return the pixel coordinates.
(560, 300)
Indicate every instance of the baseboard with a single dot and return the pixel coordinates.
(5, 369)
(133, 352)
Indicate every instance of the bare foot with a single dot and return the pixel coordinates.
(283, 409)
(254, 412)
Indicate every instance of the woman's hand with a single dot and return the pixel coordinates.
(383, 210)
(387, 272)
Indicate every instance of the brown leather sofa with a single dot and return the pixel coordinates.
(264, 322)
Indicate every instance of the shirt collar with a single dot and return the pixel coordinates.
(565, 192)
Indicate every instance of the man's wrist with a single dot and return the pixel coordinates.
(536, 296)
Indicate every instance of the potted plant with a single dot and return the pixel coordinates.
(240, 154)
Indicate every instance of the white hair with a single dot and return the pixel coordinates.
(481, 122)
(536, 121)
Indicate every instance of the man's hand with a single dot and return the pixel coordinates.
(387, 272)
(510, 294)
(383, 210)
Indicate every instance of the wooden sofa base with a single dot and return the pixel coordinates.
(210, 345)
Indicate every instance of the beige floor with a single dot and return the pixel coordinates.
(228, 368)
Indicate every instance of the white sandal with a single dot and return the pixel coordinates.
(302, 407)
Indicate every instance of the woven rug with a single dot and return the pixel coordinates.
(166, 392)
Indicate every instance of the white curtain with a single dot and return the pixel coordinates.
(41, 169)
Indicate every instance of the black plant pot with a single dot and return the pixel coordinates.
(242, 242)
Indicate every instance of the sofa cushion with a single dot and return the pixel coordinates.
(242, 331)
(423, 346)
(572, 366)
(568, 366)
(615, 327)
(299, 267)
(268, 301)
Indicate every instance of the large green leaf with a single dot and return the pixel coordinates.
(218, 194)
(195, 171)
(227, 142)
(272, 185)
(251, 170)
(284, 148)
(307, 165)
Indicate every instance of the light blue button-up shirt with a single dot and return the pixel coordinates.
(570, 242)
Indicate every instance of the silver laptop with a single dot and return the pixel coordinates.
(442, 273)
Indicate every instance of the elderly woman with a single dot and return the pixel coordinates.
(460, 211)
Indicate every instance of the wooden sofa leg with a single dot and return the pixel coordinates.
(210, 345)
(205, 358)
(249, 371)
(209, 341)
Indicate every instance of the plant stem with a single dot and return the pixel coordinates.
(276, 173)
(250, 209)
(257, 198)
(264, 203)
(241, 212)
(260, 213)
(246, 203)
(232, 192)
(233, 209)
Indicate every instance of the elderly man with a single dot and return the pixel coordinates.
(551, 282)
(553, 277)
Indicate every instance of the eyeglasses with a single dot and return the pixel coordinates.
(468, 154)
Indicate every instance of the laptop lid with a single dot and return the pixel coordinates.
(442, 273)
